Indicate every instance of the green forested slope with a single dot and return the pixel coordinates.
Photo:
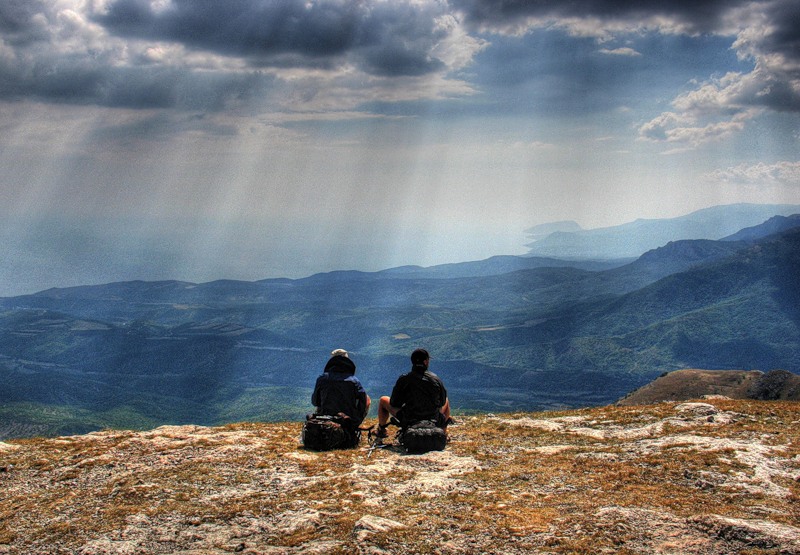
(138, 353)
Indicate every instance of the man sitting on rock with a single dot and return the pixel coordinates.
(418, 395)
(339, 391)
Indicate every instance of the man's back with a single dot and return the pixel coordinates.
(337, 392)
(420, 394)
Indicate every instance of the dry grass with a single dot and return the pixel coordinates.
(571, 486)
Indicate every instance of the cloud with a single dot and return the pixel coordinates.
(605, 15)
(17, 18)
(720, 107)
(54, 52)
(380, 38)
(712, 112)
(764, 33)
(251, 56)
(773, 32)
(83, 82)
(620, 52)
(237, 27)
(244, 55)
(781, 173)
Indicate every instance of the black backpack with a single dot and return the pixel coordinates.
(423, 436)
(324, 432)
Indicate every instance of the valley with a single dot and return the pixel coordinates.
(139, 354)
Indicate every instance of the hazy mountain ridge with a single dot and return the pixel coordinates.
(543, 230)
(776, 224)
(140, 353)
(697, 478)
(634, 238)
(497, 265)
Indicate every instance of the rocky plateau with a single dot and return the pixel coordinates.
(712, 476)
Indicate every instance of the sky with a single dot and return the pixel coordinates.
(248, 139)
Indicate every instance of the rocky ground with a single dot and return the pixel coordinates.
(711, 477)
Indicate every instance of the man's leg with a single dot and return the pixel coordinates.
(385, 411)
(443, 418)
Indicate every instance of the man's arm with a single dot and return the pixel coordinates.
(315, 397)
(444, 394)
(398, 397)
(361, 393)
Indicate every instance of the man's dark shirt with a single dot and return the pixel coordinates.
(338, 390)
(419, 395)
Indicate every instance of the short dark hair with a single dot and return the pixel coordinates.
(419, 356)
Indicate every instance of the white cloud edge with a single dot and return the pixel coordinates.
(784, 173)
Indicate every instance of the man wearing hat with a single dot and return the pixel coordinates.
(338, 390)
(418, 395)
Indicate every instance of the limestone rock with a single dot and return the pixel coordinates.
(369, 524)
(751, 533)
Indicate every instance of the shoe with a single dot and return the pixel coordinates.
(381, 433)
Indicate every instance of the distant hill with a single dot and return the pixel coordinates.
(543, 230)
(776, 224)
(493, 266)
(683, 385)
(633, 239)
(498, 265)
(678, 256)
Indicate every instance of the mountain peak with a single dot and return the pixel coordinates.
(610, 479)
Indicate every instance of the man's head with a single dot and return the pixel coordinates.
(420, 357)
(339, 353)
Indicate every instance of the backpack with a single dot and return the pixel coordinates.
(423, 436)
(324, 432)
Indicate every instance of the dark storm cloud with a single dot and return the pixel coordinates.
(80, 82)
(51, 57)
(240, 27)
(397, 39)
(133, 53)
(393, 38)
(17, 24)
(692, 16)
(697, 15)
(785, 38)
(15, 15)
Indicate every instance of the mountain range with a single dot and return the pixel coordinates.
(507, 333)
(634, 238)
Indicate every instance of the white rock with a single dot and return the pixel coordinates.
(697, 409)
(296, 521)
(757, 532)
(369, 524)
(105, 546)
